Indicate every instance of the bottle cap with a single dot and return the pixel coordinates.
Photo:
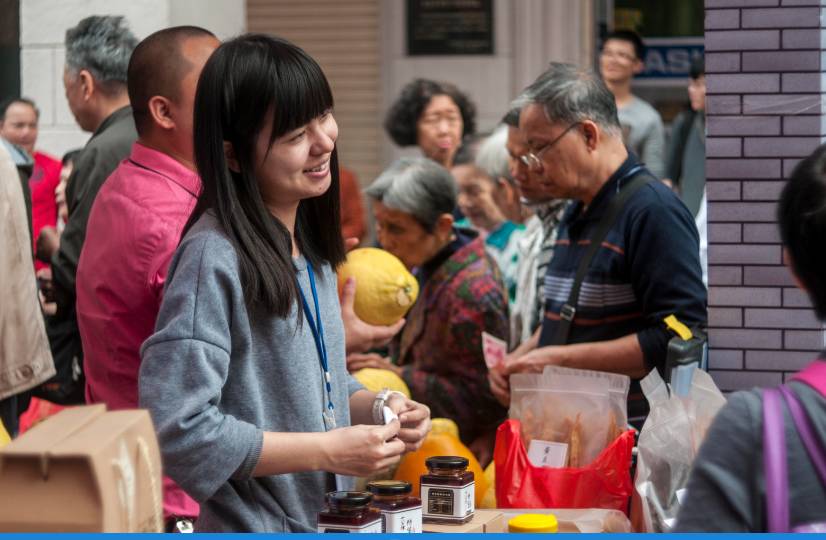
(533, 523)
(446, 462)
(389, 487)
(348, 500)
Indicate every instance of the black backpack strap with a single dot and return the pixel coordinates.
(568, 311)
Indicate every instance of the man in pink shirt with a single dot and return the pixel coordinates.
(136, 223)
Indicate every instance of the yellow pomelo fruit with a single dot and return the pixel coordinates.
(377, 380)
(385, 290)
(444, 425)
(490, 472)
(489, 499)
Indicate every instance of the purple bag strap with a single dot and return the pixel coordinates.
(814, 446)
(774, 462)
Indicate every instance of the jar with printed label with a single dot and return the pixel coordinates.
(448, 490)
(349, 512)
(400, 511)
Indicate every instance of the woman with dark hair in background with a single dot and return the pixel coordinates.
(734, 486)
(434, 116)
(48, 240)
(245, 376)
(66, 166)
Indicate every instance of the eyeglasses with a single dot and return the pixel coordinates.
(618, 54)
(531, 159)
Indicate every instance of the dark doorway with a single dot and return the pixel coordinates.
(9, 49)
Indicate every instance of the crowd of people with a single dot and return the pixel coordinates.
(186, 258)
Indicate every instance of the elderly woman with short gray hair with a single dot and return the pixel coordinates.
(493, 158)
(489, 200)
(439, 351)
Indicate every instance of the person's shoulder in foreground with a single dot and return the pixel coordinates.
(726, 491)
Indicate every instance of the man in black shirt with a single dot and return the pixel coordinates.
(647, 266)
(97, 56)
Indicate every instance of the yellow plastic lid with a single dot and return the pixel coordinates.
(533, 523)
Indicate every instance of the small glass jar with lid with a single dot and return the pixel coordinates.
(349, 512)
(448, 490)
(400, 511)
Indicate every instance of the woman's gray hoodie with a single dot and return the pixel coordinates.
(215, 376)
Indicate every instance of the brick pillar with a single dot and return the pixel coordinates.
(764, 113)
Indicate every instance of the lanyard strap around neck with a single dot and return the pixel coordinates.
(317, 329)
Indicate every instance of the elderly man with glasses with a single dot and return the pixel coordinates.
(643, 268)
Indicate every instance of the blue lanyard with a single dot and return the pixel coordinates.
(318, 334)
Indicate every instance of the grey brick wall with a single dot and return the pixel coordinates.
(766, 68)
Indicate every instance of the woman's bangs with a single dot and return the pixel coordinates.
(302, 93)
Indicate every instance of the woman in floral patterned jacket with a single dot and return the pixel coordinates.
(439, 351)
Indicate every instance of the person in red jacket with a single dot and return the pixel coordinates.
(18, 125)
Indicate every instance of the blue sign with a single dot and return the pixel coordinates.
(670, 58)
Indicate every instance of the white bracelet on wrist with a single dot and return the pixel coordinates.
(378, 405)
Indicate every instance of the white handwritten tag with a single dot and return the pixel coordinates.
(547, 454)
(494, 350)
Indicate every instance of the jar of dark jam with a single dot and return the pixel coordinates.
(349, 512)
(448, 490)
(400, 511)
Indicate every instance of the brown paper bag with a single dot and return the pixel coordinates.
(83, 470)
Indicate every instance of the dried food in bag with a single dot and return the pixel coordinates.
(584, 409)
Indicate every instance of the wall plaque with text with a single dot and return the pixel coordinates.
(448, 27)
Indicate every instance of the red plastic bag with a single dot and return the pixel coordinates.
(605, 483)
(39, 410)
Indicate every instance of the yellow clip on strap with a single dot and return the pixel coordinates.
(678, 328)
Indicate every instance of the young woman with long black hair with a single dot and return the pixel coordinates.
(245, 376)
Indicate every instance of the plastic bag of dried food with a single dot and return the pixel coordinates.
(668, 443)
(585, 410)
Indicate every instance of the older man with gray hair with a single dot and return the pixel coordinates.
(627, 251)
(97, 57)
